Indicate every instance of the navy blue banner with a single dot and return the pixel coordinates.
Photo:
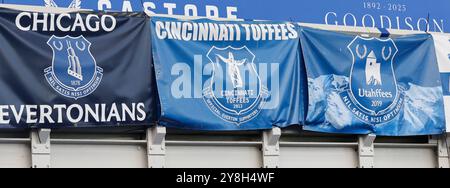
(75, 70)
(396, 14)
(386, 86)
(215, 75)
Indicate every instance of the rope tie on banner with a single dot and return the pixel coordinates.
(384, 32)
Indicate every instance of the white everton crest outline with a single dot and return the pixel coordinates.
(373, 112)
(76, 4)
(380, 82)
(74, 70)
(233, 73)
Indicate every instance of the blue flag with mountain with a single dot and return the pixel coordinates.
(226, 75)
(387, 86)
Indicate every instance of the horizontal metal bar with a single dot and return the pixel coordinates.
(345, 29)
(398, 145)
(212, 143)
(318, 144)
(15, 140)
(98, 142)
(216, 143)
(337, 144)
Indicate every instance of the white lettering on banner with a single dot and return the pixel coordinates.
(230, 12)
(377, 93)
(190, 10)
(127, 6)
(150, 8)
(189, 31)
(75, 113)
(27, 21)
(104, 4)
(384, 21)
(212, 11)
(442, 46)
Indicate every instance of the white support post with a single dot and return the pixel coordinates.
(271, 148)
(156, 147)
(40, 148)
(366, 151)
(442, 150)
(447, 139)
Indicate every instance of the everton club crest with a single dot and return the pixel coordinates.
(373, 95)
(234, 91)
(74, 72)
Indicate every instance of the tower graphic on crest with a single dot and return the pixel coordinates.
(74, 72)
(74, 63)
(373, 70)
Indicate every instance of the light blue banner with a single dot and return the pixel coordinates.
(397, 14)
(227, 75)
(386, 86)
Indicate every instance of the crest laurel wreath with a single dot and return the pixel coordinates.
(76, 4)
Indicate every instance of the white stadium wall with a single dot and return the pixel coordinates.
(293, 149)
